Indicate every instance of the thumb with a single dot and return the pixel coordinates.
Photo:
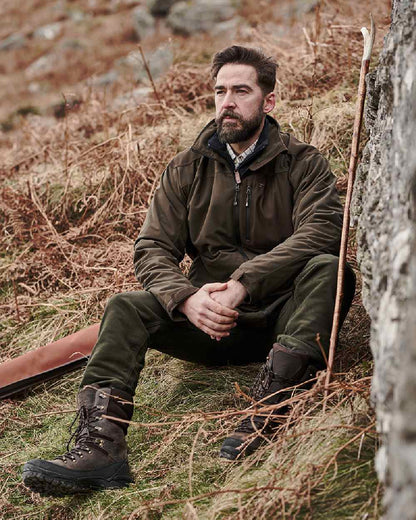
(212, 287)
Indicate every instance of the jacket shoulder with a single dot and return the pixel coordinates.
(184, 166)
(298, 149)
(186, 158)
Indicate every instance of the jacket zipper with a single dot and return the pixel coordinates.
(248, 200)
(236, 213)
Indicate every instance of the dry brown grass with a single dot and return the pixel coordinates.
(283, 478)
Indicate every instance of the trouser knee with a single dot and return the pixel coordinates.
(325, 262)
(119, 301)
(325, 267)
(133, 304)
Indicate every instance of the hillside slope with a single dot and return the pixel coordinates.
(77, 178)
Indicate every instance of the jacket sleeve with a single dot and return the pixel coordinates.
(317, 224)
(160, 246)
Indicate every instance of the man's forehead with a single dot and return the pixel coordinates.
(236, 74)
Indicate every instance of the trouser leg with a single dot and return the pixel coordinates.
(118, 356)
(295, 358)
(135, 321)
(309, 310)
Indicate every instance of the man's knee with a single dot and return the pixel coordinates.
(133, 300)
(120, 300)
(324, 261)
(324, 267)
(321, 267)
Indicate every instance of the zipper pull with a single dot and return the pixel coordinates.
(236, 191)
(248, 196)
(237, 177)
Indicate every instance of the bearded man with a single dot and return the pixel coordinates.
(258, 213)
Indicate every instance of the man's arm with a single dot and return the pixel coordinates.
(317, 222)
(160, 246)
(158, 251)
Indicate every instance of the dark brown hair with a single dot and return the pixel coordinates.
(265, 67)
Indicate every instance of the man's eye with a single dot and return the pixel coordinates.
(219, 92)
(241, 91)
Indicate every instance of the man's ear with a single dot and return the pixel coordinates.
(269, 102)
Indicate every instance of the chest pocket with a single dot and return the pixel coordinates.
(282, 163)
(268, 208)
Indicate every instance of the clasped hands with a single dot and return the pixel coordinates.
(212, 307)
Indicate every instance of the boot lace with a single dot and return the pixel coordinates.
(261, 382)
(86, 435)
(259, 390)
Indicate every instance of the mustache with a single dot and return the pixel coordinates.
(229, 113)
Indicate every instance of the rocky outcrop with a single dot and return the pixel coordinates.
(158, 62)
(14, 41)
(160, 7)
(384, 207)
(48, 32)
(143, 23)
(188, 18)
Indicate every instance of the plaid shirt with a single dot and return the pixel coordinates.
(238, 159)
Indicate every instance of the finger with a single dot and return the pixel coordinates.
(216, 327)
(213, 333)
(219, 318)
(212, 287)
(209, 329)
(216, 307)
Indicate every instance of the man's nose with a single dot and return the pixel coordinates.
(228, 101)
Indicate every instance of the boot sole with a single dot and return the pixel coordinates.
(43, 478)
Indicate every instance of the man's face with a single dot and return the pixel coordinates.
(240, 103)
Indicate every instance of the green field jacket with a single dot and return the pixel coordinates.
(260, 231)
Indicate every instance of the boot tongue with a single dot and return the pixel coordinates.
(287, 364)
(87, 397)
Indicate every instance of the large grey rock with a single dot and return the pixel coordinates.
(384, 206)
(106, 79)
(132, 99)
(14, 41)
(35, 87)
(200, 15)
(229, 28)
(143, 23)
(160, 7)
(42, 65)
(48, 32)
(75, 45)
(76, 15)
(159, 61)
(297, 9)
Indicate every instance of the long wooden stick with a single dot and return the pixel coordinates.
(365, 64)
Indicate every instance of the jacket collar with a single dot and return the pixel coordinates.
(269, 145)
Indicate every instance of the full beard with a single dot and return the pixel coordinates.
(230, 132)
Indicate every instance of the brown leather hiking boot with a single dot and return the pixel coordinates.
(283, 369)
(98, 459)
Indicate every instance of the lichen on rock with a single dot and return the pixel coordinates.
(386, 236)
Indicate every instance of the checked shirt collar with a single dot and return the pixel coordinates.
(238, 159)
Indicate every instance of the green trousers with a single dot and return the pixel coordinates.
(135, 321)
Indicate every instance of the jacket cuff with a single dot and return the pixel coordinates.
(177, 299)
(239, 276)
